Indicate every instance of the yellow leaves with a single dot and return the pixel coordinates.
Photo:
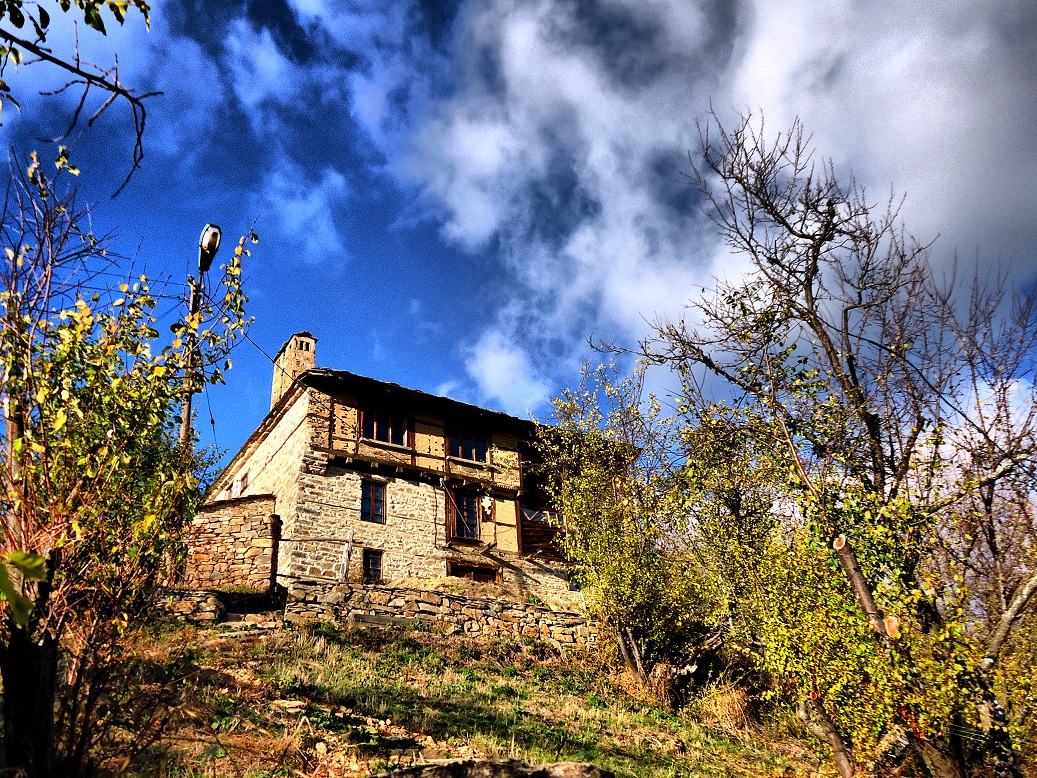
(62, 162)
(60, 418)
(119, 8)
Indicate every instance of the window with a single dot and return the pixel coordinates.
(385, 427)
(372, 566)
(466, 516)
(540, 516)
(478, 573)
(464, 446)
(372, 502)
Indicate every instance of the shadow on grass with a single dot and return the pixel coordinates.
(408, 686)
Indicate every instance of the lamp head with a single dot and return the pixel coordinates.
(208, 245)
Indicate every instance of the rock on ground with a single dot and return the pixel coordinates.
(500, 768)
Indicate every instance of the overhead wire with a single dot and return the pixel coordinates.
(212, 419)
(261, 351)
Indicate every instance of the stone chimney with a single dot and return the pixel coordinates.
(297, 355)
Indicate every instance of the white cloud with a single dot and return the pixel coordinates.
(566, 160)
(935, 99)
(504, 374)
(552, 133)
(303, 213)
(261, 75)
(561, 145)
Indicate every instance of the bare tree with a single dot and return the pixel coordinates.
(903, 405)
(18, 48)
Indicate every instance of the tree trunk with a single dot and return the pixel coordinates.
(628, 660)
(818, 723)
(995, 727)
(939, 760)
(30, 671)
(637, 656)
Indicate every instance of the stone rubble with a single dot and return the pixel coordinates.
(500, 768)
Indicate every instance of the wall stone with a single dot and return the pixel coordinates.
(202, 607)
(229, 545)
(346, 603)
(413, 539)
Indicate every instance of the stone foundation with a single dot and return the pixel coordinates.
(349, 603)
(229, 544)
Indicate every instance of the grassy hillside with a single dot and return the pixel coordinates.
(321, 702)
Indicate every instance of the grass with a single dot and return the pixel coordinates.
(322, 703)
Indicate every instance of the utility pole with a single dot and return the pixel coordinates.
(208, 245)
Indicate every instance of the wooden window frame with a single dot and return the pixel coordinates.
(370, 555)
(455, 505)
(369, 515)
(463, 437)
(377, 419)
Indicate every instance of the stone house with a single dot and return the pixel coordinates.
(350, 479)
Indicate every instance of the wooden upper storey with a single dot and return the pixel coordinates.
(375, 423)
(365, 420)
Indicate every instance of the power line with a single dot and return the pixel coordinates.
(261, 351)
(212, 419)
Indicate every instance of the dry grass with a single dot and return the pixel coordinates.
(322, 703)
(722, 707)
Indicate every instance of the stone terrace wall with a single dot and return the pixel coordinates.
(339, 602)
(192, 606)
(229, 545)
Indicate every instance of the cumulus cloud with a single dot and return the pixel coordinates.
(560, 144)
(934, 99)
(259, 69)
(504, 373)
(547, 136)
(557, 139)
(303, 212)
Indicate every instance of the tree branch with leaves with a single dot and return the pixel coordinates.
(95, 489)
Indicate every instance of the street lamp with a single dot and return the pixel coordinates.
(208, 245)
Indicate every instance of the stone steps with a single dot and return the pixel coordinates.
(261, 620)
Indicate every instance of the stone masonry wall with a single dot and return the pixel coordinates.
(329, 508)
(272, 464)
(229, 545)
(308, 601)
(412, 540)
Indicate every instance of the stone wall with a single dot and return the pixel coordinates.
(350, 602)
(413, 539)
(202, 607)
(229, 544)
(270, 462)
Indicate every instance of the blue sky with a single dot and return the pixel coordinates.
(454, 196)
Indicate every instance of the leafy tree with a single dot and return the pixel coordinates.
(900, 411)
(95, 487)
(611, 464)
